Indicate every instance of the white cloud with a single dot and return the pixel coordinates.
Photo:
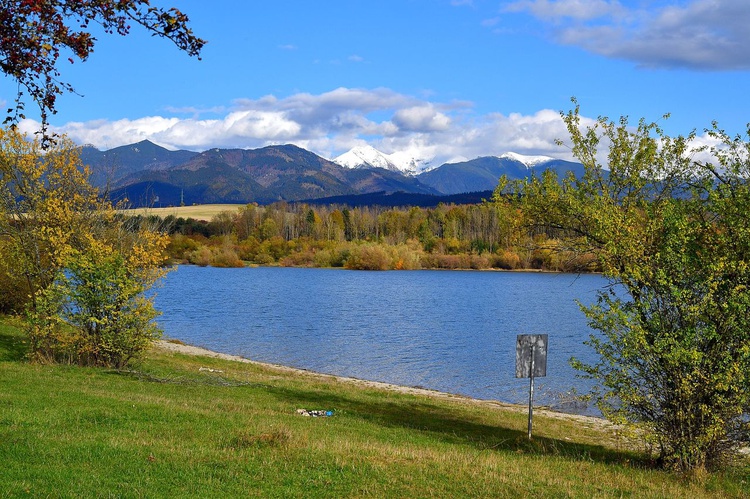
(421, 119)
(557, 10)
(696, 34)
(331, 123)
(491, 22)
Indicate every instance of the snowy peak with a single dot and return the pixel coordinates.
(405, 163)
(369, 157)
(366, 157)
(529, 161)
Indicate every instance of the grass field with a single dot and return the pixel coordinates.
(186, 426)
(198, 212)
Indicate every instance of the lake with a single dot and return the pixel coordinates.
(452, 331)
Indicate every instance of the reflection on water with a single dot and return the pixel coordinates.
(451, 331)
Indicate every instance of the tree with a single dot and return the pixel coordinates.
(47, 208)
(673, 237)
(83, 269)
(35, 33)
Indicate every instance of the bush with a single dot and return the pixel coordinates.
(304, 258)
(95, 313)
(225, 257)
(506, 260)
(479, 262)
(448, 262)
(368, 257)
(276, 246)
(248, 248)
(202, 256)
(263, 258)
(14, 294)
(407, 257)
(180, 247)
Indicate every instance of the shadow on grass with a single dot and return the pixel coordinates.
(441, 423)
(12, 346)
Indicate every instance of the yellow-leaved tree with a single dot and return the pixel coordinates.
(78, 269)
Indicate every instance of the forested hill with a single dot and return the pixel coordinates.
(397, 199)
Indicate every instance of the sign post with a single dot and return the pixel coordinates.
(531, 362)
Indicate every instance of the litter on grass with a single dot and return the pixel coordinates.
(315, 414)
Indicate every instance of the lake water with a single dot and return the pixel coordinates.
(451, 331)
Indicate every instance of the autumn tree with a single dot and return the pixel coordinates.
(47, 207)
(36, 34)
(673, 237)
(76, 267)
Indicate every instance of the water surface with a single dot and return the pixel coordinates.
(452, 331)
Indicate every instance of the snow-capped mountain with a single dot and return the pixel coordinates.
(369, 157)
(366, 157)
(402, 162)
(482, 173)
(529, 161)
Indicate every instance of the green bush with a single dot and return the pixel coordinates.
(95, 313)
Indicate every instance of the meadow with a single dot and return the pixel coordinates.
(177, 425)
(203, 212)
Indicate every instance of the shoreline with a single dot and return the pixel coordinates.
(182, 348)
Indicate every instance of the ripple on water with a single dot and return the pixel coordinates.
(449, 331)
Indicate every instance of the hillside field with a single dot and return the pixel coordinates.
(198, 212)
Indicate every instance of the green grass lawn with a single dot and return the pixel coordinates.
(169, 429)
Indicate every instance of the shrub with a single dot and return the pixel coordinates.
(248, 248)
(479, 262)
(407, 257)
(226, 257)
(368, 257)
(304, 258)
(180, 247)
(201, 256)
(95, 313)
(263, 258)
(507, 260)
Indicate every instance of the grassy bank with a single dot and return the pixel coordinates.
(186, 426)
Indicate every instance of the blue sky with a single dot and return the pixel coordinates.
(433, 79)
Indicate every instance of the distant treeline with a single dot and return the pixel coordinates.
(449, 236)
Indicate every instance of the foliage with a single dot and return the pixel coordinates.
(35, 33)
(47, 207)
(446, 237)
(673, 235)
(96, 312)
(77, 268)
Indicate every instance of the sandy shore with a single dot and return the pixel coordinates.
(192, 350)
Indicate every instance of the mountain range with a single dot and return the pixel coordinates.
(149, 175)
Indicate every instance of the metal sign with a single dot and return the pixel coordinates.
(531, 349)
(531, 362)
